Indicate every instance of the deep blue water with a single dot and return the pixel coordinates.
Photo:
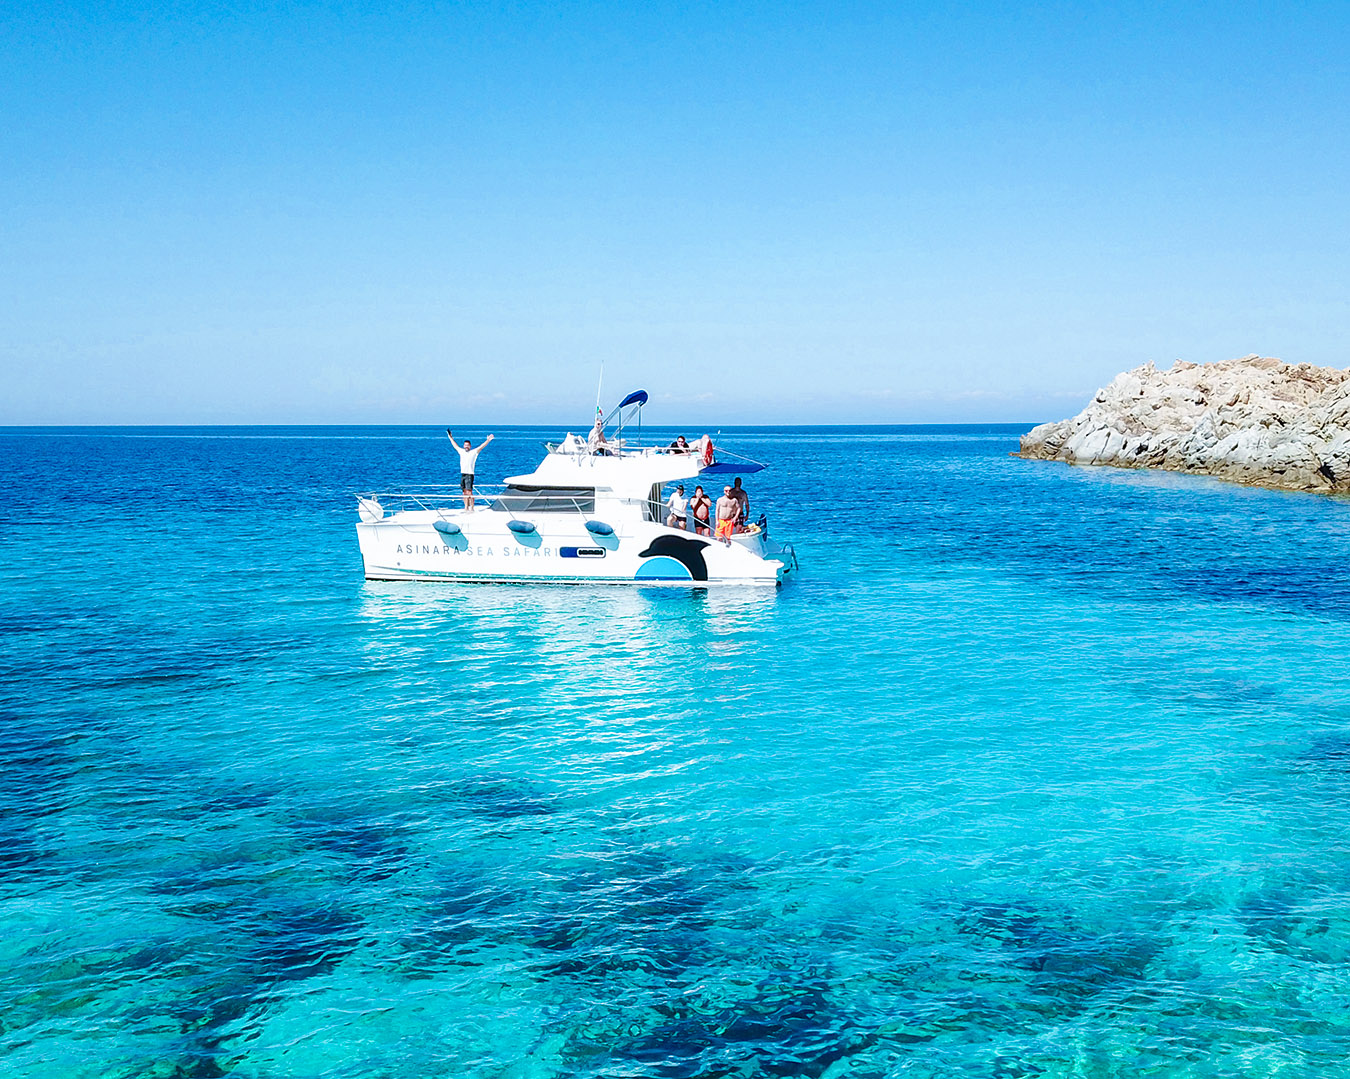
(1034, 771)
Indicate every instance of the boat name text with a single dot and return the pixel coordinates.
(480, 552)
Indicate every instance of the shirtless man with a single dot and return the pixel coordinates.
(728, 510)
(596, 443)
(741, 495)
(468, 459)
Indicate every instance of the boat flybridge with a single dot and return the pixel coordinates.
(592, 511)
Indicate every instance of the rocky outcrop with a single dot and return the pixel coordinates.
(1255, 420)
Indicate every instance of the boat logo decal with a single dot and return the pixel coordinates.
(687, 552)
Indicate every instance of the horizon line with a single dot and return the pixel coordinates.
(512, 426)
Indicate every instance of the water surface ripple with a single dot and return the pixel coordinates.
(1036, 771)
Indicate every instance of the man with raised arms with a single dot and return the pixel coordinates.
(468, 459)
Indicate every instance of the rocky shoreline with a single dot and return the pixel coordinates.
(1254, 420)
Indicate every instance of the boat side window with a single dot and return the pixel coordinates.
(546, 500)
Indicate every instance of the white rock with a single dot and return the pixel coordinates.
(1255, 420)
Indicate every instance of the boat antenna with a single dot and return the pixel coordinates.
(599, 383)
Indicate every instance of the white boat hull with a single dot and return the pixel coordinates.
(408, 547)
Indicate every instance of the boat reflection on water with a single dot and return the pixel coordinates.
(591, 689)
(602, 637)
(578, 621)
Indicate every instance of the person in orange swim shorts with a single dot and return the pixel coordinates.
(728, 510)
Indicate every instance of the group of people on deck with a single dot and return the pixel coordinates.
(732, 511)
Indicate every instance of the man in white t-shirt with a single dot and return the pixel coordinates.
(679, 510)
(468, 459)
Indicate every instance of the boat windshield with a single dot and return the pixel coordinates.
(546, 500)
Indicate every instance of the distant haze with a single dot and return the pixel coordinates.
(759, 213)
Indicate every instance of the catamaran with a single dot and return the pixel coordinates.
(593, 511)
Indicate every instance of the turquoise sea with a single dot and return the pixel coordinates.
(1034, 771)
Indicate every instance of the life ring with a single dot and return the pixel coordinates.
(707, 451)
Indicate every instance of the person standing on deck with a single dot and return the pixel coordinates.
(728, 510)
(741, 495)
(468, 460)
(700, 506)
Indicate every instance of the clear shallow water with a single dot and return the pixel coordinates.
(1034, 771)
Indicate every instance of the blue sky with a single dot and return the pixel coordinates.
(453, 213)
